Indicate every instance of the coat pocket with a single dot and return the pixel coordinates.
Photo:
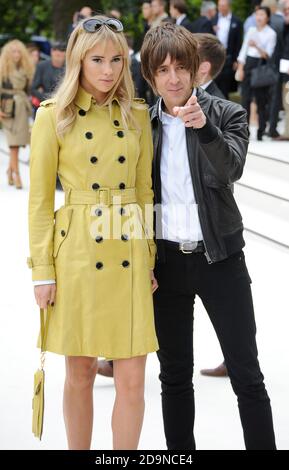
(61, 228)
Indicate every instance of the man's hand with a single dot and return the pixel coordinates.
(191, 113)
(45, 295)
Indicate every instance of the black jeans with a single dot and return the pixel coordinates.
(225, 291)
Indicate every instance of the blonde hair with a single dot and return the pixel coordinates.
(80, 42)
(7, 65)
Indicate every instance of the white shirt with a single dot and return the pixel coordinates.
(205, 85)
(265, 39)
(224, 23)
(180, 219)
(180, 19)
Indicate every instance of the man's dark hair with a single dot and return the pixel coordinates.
(169, 39)
(211, 50)
(179, 5)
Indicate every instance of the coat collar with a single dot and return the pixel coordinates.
(84, 99)
(202, 100)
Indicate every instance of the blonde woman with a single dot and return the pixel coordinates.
(16, 71)
(97, 278)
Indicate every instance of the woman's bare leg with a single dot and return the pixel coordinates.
(14, 161)
(78, 401)
(128, 411)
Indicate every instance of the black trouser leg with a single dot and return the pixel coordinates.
(174, 326)
(262, 96)
(226, 293)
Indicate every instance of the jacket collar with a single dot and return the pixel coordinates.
(84, 99)
(203, 101)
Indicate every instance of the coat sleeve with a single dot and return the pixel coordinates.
(144, 183)
(43, 172)
(226, 147)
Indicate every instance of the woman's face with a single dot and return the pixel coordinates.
(261, 18)
(101, 69)
(15, 54)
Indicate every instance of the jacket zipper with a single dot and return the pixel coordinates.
(208, 258)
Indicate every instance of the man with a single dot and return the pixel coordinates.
(228, 29)
(285, 76)
(200, 146)
(179, 11)
(203, 24)
(212, 58)
(147, 14)
(159, 12)
(278, 24)
(49, 72)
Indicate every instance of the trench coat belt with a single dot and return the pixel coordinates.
(103, 196)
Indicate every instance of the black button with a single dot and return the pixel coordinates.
(122, 211)
(63, 233)
(98, 212)
(94, 159)
(120, 133)
(125, 263)
(89, 135)
(81, 112)
(116, 122)
(125, 238)
(95, 186)
(99, 239)
(99, 265)
(121, 185)
(121, 159)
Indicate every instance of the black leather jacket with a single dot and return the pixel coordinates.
(217, 155)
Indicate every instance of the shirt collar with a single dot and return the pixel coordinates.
(180, 19)
(227, 17)
(160, 108)
(205, 85)
(84, 99)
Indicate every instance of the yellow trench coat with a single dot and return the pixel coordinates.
(103, 302)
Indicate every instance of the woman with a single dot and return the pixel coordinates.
(97, 138)
(259, 43)
(16, 71)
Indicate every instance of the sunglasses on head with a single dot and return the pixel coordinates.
(94, 24)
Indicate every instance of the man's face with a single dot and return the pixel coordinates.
(173, 83)
(86, 12)
(173, 11)
(156, 8)
(224, 7)
(57, 57)
(286, 12)
(146, 11)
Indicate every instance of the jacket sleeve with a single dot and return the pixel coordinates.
(144, 183)
(43, 172)
(226, 147)
(37, 83)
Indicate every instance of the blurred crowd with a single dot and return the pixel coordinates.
(255, 70)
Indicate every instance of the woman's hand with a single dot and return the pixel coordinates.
(252, 43)
(45, 295)
(154, 282)
(240, 74)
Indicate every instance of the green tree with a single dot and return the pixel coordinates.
(22, 18)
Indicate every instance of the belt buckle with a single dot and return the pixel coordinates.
(183, 248)
(104, 196)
